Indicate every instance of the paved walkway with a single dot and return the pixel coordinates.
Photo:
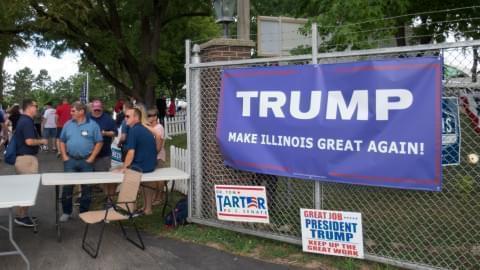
(44, 252)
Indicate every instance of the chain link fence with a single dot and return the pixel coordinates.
(412, 229)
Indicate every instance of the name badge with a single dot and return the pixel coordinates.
(84, 133)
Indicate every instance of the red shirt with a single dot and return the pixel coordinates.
(118, 106)
(63, 112)
(171, 109)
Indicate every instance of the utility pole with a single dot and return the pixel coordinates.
(243, 24)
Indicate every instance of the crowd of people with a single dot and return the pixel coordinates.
(81, 135)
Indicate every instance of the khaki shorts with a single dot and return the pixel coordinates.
(26, 164)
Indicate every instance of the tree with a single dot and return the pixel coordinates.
(98, 86)
(7, 86)
(121, 38)
(22, 84)
(41, 91)
(42, 81)
(361, 24)
(171, 58)
(62, 88)
(10, 41)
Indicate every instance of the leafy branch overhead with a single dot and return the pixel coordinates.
(360, 24)
(122, 38)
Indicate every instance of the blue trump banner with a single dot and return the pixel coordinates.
(372, 123)
(450, 132)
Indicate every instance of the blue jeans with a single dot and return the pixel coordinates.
(49, 133)
(73, 165)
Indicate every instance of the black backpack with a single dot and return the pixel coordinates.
(178, 216)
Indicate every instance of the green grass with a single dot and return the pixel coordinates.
(250, 246)
(178, 141)
(245, 245)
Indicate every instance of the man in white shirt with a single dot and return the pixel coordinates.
(49, 125)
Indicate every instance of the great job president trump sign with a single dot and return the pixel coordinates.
(373, 123)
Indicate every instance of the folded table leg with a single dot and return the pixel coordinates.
(17, 251)
(57, 222)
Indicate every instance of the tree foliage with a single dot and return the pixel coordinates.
(121, 38)
(22, 85)
(11, 40)
(360, 24)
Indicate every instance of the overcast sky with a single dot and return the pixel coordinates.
(63, 67)
(67, 64)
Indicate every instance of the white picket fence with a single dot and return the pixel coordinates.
(180, 160)
(176, 125)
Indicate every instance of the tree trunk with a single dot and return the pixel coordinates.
(474, 66)
(150, 96)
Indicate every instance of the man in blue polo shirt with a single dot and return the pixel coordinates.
(109, 131)
(80, 143)
(141, 147)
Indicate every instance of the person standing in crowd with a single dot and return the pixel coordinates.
(27, 144)
(162, 109)
(155, 190)
(37, 120)
(124, 129)
(63, 115)
(140, 145)
(119, 115)
(50, 127)
(171, 108)
(3, 127)
(14, 115)
(109, 131)
(80, 143)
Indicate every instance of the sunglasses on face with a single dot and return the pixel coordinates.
(152, 115)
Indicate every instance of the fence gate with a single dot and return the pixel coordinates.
(411, 229)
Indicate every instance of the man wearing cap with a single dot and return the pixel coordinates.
(108, 130)
(80, 143)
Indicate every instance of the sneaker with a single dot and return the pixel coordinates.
(64, 217)
(24, 221)
(138, 212)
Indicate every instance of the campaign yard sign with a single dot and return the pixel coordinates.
(241, 203)
(376, 123)
(336, 233)
(450, 131)
(116, 156)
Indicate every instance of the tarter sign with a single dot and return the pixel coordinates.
(241, 203)
(332, 232)
(373, 123)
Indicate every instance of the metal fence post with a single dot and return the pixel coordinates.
(195, 133)
(314, 43)
(189, 140)
(409, 229)
(318, 185)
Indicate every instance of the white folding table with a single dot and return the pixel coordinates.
(17, 190)
(87, 178)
